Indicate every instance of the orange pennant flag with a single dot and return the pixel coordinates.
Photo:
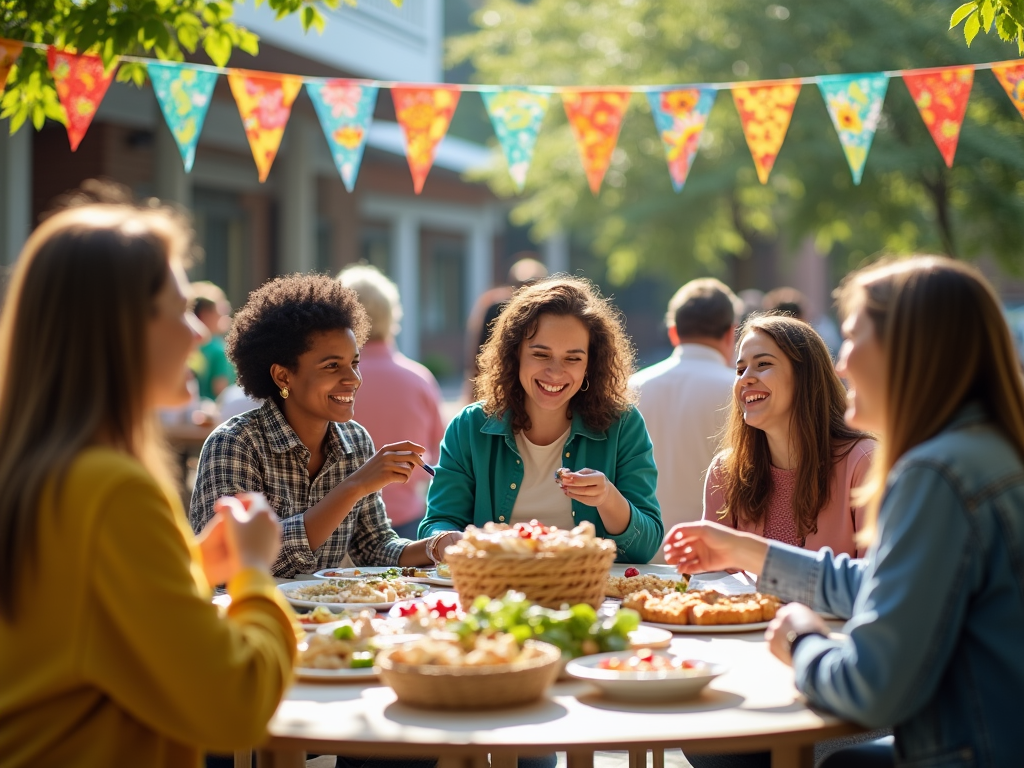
(265, 103)
(81, 83)
(941, 98)
(424, 114)
(1011, 77)
(765, 112)
(596, 119)
(10, 50)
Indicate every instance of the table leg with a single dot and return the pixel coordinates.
(580, 759)
(801, 756)
(464, 761)
(504, 760)
(288, 758)
(638, 758)
(243, 758)
(659, 757)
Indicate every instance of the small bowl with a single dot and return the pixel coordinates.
(664, 685)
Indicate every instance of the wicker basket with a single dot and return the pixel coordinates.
(550, 579)
(504, 685)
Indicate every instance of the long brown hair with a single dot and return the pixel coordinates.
(923, 309)
(818, 430)
(610, 356)
(73, 357)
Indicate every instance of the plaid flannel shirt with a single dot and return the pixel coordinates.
(259, 451)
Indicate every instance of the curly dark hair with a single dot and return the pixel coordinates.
(278, 321)
(611, 356)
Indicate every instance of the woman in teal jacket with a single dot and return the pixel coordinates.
(555, 437)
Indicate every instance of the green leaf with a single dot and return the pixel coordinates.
(971, 28)
(988, 13)
(962, 13)
(217, 46)
(188, 37)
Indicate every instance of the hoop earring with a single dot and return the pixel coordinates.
(284, 393)
(586, 384)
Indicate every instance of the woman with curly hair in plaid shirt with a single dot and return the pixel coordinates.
(295, 345)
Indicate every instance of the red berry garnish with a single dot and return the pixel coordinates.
(630, 572)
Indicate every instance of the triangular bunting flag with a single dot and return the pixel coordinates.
(81, 83)
(265, 104)
(596, 119)
(516, 114)
(10, 50)
(345, 109)
(424, 114)
(765, 112)
(680, 115)
(941, 98)
(855, 106)
(1011, 77)
(183, 93)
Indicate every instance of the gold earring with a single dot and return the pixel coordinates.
(586, 384)
(284, 393)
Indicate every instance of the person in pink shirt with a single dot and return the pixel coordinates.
(400, 399)
(789, 463)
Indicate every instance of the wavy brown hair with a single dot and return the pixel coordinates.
(817, 428)
(922, 308)
(610, 356)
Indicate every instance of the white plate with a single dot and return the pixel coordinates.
(290, 586)
(336, 675)
(646, 636)
(358, 573)
(708, 629)
(641, 686)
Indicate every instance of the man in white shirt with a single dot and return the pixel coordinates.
(685, 399)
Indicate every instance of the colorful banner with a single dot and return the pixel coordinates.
(855, 105)
(941, 98)
(183, 93)
(10, 50)
(596, 119)
(424, 114)
(81, 84)
(345, 109)
(516, 115)
(1011, 77)
(265, 104)
(765, 112)
(680, 115)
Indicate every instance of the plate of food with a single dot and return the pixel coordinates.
(414, 574)
(704, 612)
(644, 675)
(341, 594)
(344, 650)
(633, 580)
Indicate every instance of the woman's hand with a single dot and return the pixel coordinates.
(704, 546)
(587, 486)
(218, 564)
(796, 619)
(251, 530)
(393, 463)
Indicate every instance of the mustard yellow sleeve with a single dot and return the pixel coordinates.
(161, 649)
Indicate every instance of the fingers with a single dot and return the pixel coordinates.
(404, 446)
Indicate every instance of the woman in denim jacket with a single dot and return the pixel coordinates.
(934, 642)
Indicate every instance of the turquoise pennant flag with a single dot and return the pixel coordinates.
(183, 93)
(345, 109)
(855, 105)
(680, 115)
(516, 114)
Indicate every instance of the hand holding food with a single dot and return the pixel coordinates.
(252, 532)
(393, 463)
(587, 486)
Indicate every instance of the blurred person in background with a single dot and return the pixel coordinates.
(213, 370)
(685, 399)
(400, 399)
(785, 301)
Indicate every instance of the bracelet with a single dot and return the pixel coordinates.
(795, 638)
(432, 546)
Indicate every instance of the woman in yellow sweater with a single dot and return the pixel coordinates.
(112, 651)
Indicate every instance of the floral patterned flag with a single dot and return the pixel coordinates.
(765, 112)
(680, 116)
(1011, 77)
(855, 106)
(424, 114)
(10, 50)
(596, 119)
(265, 104)
(516, 114)
(941, 98)
(345, 109)
(81, 83)
(183, 93)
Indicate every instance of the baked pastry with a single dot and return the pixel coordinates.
(620, 586)
(706, 608)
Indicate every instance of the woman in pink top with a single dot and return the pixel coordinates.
(788, 461)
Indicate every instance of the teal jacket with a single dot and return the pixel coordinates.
(480, 472)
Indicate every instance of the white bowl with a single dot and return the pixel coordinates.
(667, 685)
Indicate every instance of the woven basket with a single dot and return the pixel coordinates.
(550, 579)
(491, 687)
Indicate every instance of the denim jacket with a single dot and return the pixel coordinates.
(935, 636)
(480, 472)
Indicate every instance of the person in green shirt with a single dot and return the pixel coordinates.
(556, 436)
(210, 363)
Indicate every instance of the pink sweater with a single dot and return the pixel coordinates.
(838, 521)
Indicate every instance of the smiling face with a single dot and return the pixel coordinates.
(862, 363)
(553, 364)
(325, 379)
(764, 383)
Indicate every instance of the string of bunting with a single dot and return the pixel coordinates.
(345, 109)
